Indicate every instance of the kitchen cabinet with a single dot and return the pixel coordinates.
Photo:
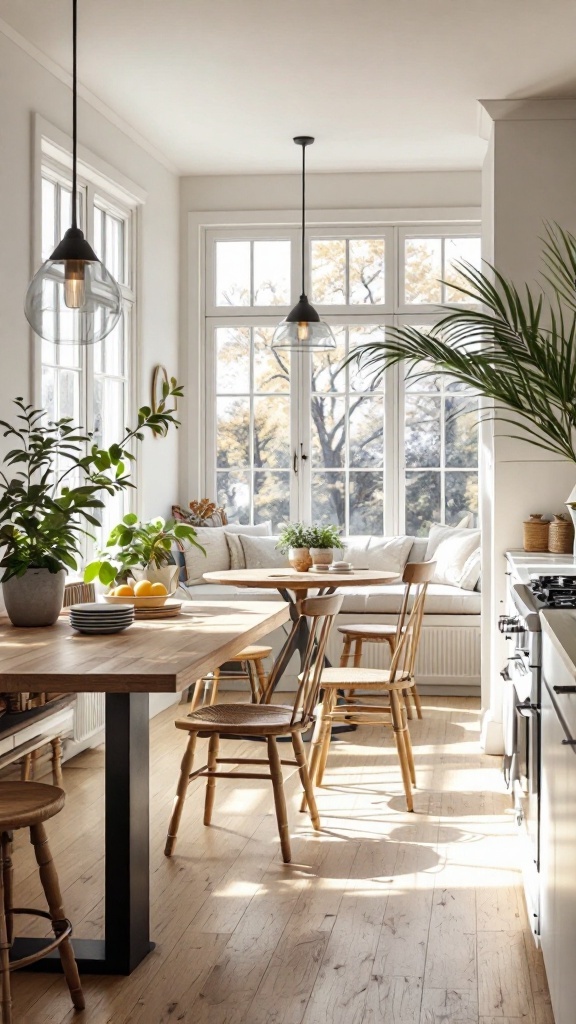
(558, 828)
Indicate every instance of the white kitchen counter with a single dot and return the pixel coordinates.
(525, 564)
(559, 624)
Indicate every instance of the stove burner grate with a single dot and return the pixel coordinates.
(554, 591)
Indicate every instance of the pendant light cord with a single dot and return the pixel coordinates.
(74, 109)
(303, 213)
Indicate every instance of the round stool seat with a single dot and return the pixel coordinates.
(375, 631)
(28, 803)
(253, 652)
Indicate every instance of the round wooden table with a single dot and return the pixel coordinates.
(293, 585)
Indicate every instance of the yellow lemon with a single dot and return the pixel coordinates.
(143, 588)
(159, 590)
(123, 591)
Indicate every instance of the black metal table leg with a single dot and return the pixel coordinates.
(127, 848)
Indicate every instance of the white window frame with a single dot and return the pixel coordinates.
(105, 187)
(197, 466)
(425, 231)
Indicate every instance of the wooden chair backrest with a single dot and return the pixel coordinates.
(320, 613)
(416, 577)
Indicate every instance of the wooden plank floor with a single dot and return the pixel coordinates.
(383, 918)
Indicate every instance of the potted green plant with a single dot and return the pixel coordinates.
(294, 540)
(49, 500)
(323, 540)
(142, 550)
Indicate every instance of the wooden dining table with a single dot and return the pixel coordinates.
(151, 656)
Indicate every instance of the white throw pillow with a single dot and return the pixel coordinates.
(262, 553)
(388, 554)
(237, 530)
(457, 556)
(355, 551)
(217, 558)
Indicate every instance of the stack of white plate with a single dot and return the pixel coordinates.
(101, 618)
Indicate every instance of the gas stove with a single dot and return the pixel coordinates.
(554, 591)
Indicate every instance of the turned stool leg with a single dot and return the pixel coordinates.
(215, 685)
(326, 738)
(345, 656)
(262, 677)
(417, 701)
(27, 769)
(180, 798)
(8, 879)
(56, 745)
(6, 998)
(211, 782)
(249, 668)
(51, 887)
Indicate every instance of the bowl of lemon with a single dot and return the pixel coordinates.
(143, 594)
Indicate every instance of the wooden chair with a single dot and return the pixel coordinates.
(252, 669)
(390, 682)
(264, 720)
(355, 636)
(29, 805)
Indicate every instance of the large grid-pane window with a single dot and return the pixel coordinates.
(307, 440)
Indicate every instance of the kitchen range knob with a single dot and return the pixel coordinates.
(510, 624)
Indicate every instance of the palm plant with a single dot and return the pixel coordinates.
(517, 349)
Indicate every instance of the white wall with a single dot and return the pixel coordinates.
(27, 88)
(528, 179)
(330, 191)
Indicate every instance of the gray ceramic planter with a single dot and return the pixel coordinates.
(34, 599)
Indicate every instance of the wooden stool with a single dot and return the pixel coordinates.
(28, 805)
(357, 635)
(252, 668)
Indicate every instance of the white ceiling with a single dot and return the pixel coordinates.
(221, 86)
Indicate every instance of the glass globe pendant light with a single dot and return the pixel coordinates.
(73, 300)
(303, 330)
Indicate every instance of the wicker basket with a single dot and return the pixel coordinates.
(536, 533)
(560, 535)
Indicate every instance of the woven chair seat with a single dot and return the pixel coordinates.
(28, 803)
(253, 651)
(257, 719)
(375, 631)
(371, 678)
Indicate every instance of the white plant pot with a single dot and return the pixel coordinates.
(166, 574)
(36, 598)
(322, 556)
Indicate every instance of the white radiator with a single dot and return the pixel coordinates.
(89, 715)
(448, 656)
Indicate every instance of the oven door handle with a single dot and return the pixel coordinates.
(528, 710)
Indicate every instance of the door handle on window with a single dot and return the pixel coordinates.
(295, 463)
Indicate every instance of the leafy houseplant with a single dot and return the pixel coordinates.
(134, 545)
(518, 350)
(59, 477)
(323, 540)
(294, 540)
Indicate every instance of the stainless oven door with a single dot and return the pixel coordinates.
(527, 773)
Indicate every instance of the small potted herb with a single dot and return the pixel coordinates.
(294, 540)
(323, 540)
(141, 550)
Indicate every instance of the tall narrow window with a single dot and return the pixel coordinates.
(92, 384)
